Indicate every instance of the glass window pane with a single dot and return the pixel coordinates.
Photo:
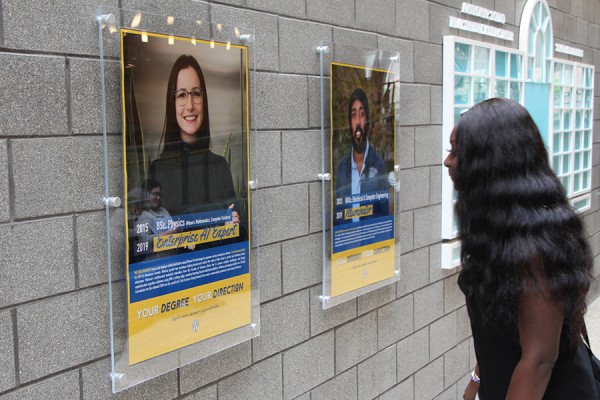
(501, 89)
(481, 89)
(579, 76)
(567, 120)
(515, 91)
(587, 120)
(462, 57)
(589, 81)
(578, 140)
(501, 64)
(578, 160)
(557, 76)
(578, 120)
(556, 144)
(579, 94)
(577, 182)
(481, 61)
(567, 141)
(566, 162)
(462, 89)
(568, 77)
(557, 96)
(515, 66)
(588, 98)
(567, 101)
(587, 139)
(557, 121)
(586, 180)
(556, 163)
(586, 160)
(457, 111)
(566, 181)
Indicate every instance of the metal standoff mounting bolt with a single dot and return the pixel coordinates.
(112, 201)
(253, 325)
(247, 38)
(108, 19)
(323, 49)
(396, 168)
(253, 185)
(324, 298)
(115, 376)
(324, 177)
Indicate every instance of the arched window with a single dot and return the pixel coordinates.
(536, 40)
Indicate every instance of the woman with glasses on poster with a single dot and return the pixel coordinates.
(193, 179)
(526, 266)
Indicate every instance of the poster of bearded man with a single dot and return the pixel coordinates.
(363, 116)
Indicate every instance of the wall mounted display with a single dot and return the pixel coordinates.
(364, 183)
(558, 93)
(186, 217)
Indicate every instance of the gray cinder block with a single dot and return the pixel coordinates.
(298, 41)
(61, 387)
(429, 304)
(281, 101)
(4, 188)
(280, 328)
(414, 271)
(46, 169)
(266, 158)
(265, 30)
(262, 380)
(97, 385)
(302, 262)
(226, 362)
(415, 104)
(395, 321)
(442, 335)
(377, 374)
(269, 270)
(429, 382)
(308, 365)
(48, 260)
(342, 387)
(427, 225)
(428, 145)
(322, 320)
(33, 93)
(301, 156)
(7, 355)
(412, 19)
(283, 212)
(290, 8)
(376, 15)
(355, 342)
(413, 353)
(54, 334)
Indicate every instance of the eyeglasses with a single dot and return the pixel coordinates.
(155, 194)
(181, 96)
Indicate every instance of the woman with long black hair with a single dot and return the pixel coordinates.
(525, 261)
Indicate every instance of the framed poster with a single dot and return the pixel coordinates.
(186, 124)
(363, 137)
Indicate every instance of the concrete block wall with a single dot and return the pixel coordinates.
(409, 340)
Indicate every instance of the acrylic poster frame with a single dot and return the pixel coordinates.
(206, 313)
(371, 263)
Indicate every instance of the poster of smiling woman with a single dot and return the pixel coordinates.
(362, 161)
(186, 172)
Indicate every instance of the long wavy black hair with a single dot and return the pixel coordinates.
(514, 218)
(171, 131)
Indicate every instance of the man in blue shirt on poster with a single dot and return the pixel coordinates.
(362, 170)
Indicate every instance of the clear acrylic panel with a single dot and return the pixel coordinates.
(183, 264)
(361, 248)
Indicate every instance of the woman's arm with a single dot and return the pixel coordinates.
(472, 387)
(540, 324)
